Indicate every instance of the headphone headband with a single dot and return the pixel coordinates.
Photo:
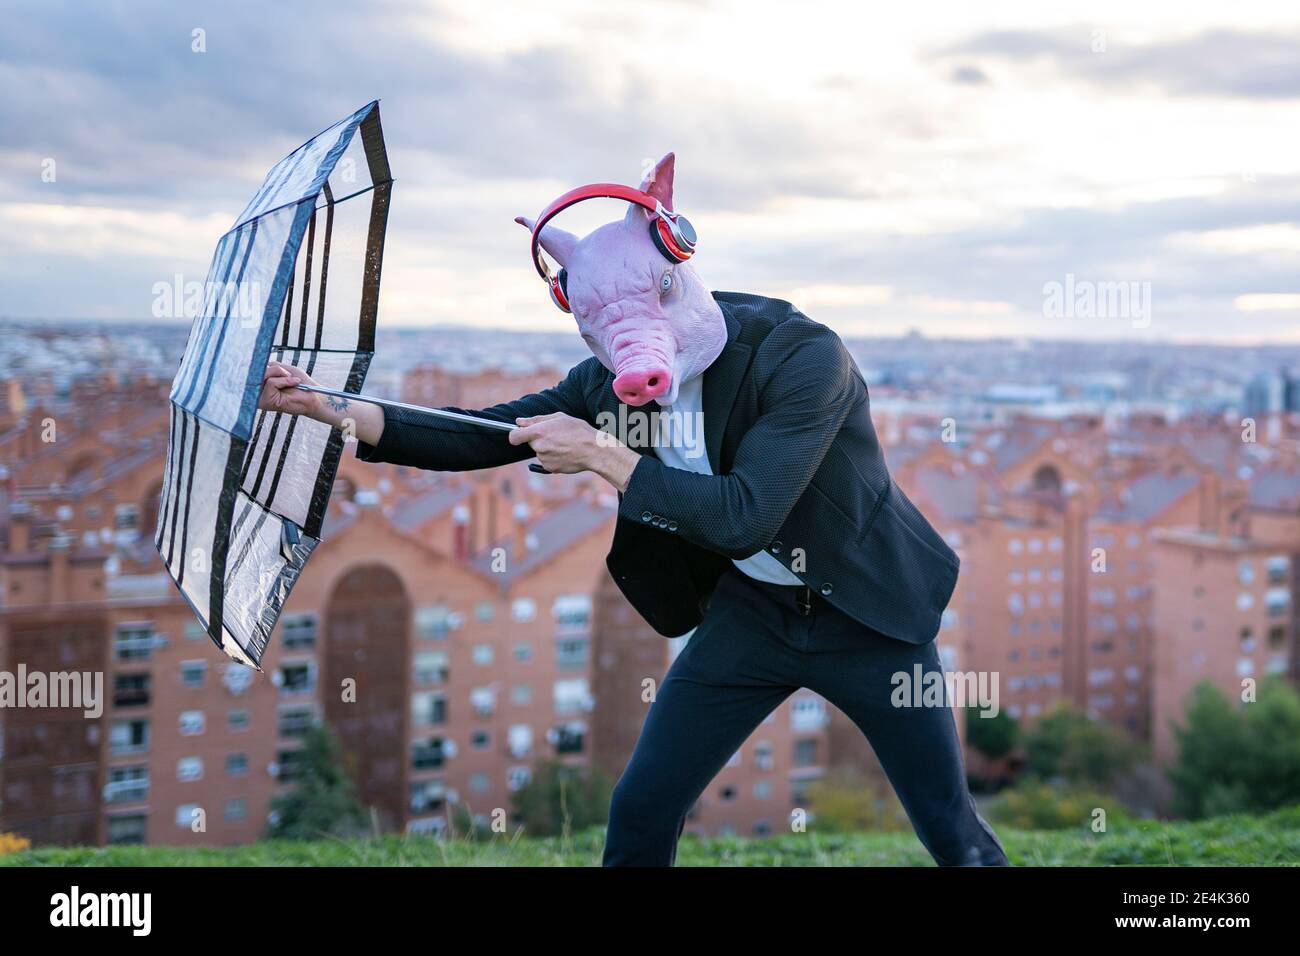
(684, 238)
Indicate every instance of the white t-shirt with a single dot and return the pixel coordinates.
(682, 446)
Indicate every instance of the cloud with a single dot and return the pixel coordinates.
(1213, 63)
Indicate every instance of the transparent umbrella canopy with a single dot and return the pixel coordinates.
(296, 279)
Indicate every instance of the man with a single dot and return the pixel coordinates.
(774, 530)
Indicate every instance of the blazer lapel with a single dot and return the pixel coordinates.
(722, 382)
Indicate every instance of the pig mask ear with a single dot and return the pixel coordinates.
(658, 183)
(557, 243)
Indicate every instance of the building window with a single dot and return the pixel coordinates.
(523, 652)
(127, 830)
(807, 713)
(1277, 600)
(763, 755)
(293, 722)
(238, 720)
(192, 723)
(236, 765)
(1246, 572)
(129, 737)
(523, 610)
(289, 765)
(517, 777)
(133, 642)
(193, 672)
(429, 708)
(571, 696)
(763, 790)
(432, 622)
(805, 752)
(194, 630)
(519, 741)
(480, 740)
(483, 701)
(479, 782)
(571, 652)
(428, 796)
(299, 678)
(483, 654)
(568, 737)
(572, 612)
(127, 784)
(126, 518)
(1277, 567)
(521, 695)
(299, 631)
(428, 754)
(189, 768)
(432, 667)
(131, 690)
(236, 809)
(485, 610)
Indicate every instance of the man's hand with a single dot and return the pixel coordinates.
(566, 445)
(280, 393)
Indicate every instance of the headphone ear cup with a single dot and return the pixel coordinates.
(663, 239)
(559, 286)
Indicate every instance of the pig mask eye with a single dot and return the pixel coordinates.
(666, 283)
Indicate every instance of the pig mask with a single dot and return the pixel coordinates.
(650, 321)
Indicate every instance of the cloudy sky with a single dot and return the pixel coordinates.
(928, 165)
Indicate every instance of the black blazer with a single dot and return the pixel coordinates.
(798, 472)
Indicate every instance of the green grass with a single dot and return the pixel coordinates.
(1228, 841)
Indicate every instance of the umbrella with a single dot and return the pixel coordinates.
(296, 278)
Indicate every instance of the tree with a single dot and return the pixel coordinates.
(323, 801)
(1069, 745)
(561, 799)
(1237, 759)
(995, 736)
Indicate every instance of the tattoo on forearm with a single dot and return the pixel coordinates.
(337, 404)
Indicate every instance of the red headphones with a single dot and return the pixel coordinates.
(673, 235)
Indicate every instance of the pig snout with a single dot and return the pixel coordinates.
(643, 385)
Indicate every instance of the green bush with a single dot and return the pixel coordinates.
(560, 799)
(1237, 758)
(1068, 745)
(1037, 805)
(995, 736)
(849, 802)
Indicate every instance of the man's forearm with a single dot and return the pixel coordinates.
(362, 420)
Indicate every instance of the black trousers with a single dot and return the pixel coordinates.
(757, 644)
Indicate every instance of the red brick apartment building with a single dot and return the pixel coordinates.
(1077, 538)
(1111, 565)
(472, 614)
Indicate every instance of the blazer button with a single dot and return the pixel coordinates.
(672, 526)
(646, 516)
(827, 589)
(776, 547)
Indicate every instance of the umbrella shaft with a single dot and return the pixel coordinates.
(403, 406)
